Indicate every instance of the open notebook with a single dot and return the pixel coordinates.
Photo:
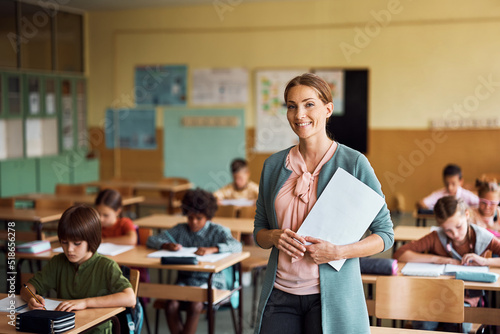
(432, 269)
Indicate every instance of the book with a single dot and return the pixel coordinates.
(34, 247)
(435, 270)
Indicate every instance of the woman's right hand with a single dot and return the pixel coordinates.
(34, 305)
(289, 242)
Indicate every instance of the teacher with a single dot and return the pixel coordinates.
(301, 292)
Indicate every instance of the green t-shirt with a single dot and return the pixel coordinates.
(98, 276)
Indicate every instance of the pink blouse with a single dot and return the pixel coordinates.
(294, 201)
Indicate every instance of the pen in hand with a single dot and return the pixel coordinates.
(31, 292)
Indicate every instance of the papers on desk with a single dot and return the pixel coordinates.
(435, 270)
(189, 251)
(343, 212)
(20, 306)
(238, 202)
(105, 248)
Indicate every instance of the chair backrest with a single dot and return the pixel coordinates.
(134, 280)
(143, 234)
(71, 189)
(423, 299)
(7, 203)
(50, 204)
(226, 211)
(247, 211)
(236, 235)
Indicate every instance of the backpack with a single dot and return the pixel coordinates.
(132, 318)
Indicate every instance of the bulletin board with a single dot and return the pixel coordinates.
(130, 128)
(199, 144)
(161, 85)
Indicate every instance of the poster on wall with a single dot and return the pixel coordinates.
(218, 86)
(273, 133)
(67, 122)
(335, 79)
(131, 128)
(161, 85)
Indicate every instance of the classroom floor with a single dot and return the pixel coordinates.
(223, 322)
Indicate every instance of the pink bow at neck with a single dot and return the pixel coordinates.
(303, 185)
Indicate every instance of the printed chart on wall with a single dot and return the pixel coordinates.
(335, 79)
(131, 128)
(160, 85)
(273, 132)
(218, 86)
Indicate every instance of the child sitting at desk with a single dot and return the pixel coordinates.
(81, 275)
(452, 179)
(199, 206)
(486, 215)
(455, 242)
(115, 229)
(241, 187)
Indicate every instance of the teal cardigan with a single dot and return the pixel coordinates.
(343, 305)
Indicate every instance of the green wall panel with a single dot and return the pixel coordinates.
(18, 176)
(52, 170)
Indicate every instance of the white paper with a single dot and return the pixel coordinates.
(189, 251)
(106, 248)
(238, 202)
(343, 212)
(22, 306)
(433, 269)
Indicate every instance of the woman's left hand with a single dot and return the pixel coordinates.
(322, 251)
(472, 259)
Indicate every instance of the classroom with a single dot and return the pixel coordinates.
(140, 91)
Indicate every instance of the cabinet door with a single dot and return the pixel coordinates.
(67, 115)
(13, 103)
(18, 176)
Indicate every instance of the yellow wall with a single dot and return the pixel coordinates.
(428, 60)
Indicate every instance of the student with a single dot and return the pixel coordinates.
(80, 275)
(455, 242)
(115, 229)
(486, 214)
(199, 206)
(452, 178)
(241, 187)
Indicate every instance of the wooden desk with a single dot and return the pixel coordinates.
(481, 315)
(77, 199)
(36, 216)
(84, 319)
(387, 330)
(171, 188)
(137, 257)
(162, 221)
(422, 217)
(410, 233)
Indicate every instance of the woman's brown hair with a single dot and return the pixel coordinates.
(447, 206)
(80, 223)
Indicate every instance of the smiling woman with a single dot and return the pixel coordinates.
(302, 292)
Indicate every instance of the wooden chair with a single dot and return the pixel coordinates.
(416, 298)
(71, 189)
(50, 204)
(226, 211)
(134, 280)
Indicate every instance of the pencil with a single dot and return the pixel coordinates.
(170, 237)
(31, 292)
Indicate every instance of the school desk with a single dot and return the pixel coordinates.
(403, 234)
(478, 315)
(84, 319)
(388, 330)
(162, 221)
(170, 188)
(422, 217)
(35, 216)
(78, 199)
(137, 257)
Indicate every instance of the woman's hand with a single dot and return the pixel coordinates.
(34, 305)
(72, 305)
(171, 247)
(322, 251)
(472, 259)
(289, 242)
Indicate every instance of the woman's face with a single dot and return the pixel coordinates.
(488, 203)
(306, 113)
(456, 226)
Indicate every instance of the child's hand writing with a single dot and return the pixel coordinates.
(172, 247)
(206, 250)
(34, 305)
(72, 305)
(472, 259)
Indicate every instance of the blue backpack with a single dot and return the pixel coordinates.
(132, 318)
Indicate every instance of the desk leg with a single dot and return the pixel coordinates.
(38, 230)
(210, 306)
(240, 306)
(171, 197)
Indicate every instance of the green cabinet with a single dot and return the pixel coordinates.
(18, 176)
(51, 171)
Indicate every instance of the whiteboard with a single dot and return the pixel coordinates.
(273, 133)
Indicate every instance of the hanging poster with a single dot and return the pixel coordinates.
(335, 79)
(216, 86)
(130, 128)
(273, 133)
(161, 85)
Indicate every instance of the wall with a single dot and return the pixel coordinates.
(427, 60)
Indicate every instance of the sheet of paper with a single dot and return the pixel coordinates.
(21, 306)
(105, 248)
(423, 269)
(453, 268)
(189, 251)
(238, 202)
(343, 212)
